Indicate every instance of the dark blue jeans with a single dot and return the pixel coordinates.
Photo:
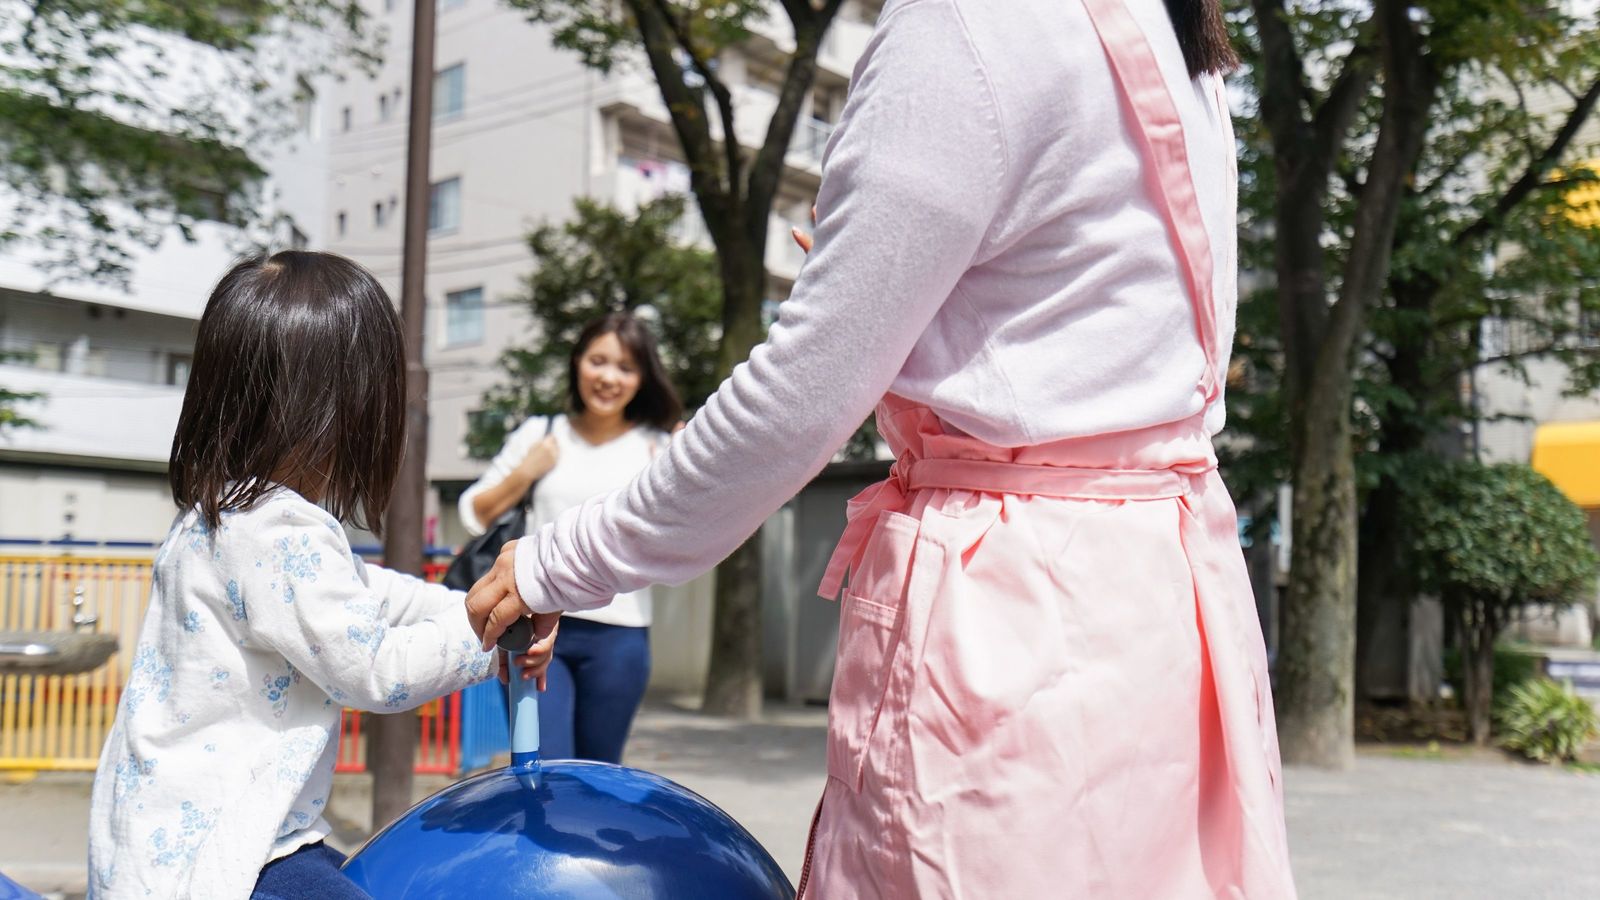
(310, 873)
(592, 690)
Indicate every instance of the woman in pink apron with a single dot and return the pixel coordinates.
(1050, 681)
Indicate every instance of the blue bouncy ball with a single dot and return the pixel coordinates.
(564, 830)
(10, 890)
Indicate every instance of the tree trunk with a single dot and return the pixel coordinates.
(1477, 670)
(1316, 657)
(1382, 597)
(733, 681)
(1317, 661)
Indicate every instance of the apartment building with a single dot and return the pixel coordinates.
(111, 363)
(521, 130)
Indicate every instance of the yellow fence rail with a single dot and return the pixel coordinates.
(60, 721)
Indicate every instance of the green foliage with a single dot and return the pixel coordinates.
(1546, 721)
(603, 261)
(604, 33)
(9, 417)
(121, 121)
(1501, 536)
(1512, 666)
(1469, 246)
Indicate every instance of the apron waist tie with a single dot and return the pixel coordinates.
(909, 475)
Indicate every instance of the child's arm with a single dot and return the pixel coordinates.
(410, 599)
(306, 599)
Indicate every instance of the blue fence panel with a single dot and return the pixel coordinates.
(484, 725)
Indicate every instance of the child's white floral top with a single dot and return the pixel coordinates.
(257, 634)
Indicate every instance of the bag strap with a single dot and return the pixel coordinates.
(527, 499)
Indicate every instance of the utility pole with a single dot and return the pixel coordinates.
(392, 739)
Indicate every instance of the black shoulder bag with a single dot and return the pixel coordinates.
(478, 556)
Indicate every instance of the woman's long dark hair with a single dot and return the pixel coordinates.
(1203, 36)
(298, 379)
(657, 402)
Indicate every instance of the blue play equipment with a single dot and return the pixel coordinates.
(564, 830)
(10, 890)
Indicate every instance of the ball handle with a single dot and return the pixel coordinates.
(524, 695)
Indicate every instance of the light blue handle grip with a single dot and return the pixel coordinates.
(524, 723)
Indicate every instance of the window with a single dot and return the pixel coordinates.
(463, 317)
(343, 223)
(178, 366)
(47, 355)
(444, 206)
(383, 107)
(450, 92)
(388, 5)
(345, 119)
(305, 108)
(379, 214)
(298, 240)
(1588, 328)
(447, 5)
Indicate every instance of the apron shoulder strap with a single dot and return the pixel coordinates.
(1158, 131)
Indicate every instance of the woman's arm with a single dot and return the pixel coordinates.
(529, 454)
(913, 183)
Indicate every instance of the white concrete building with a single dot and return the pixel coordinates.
(111, 364)
(1537, 421)
(522, 129)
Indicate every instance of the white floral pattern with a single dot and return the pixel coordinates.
(244, 707)
(151, 674)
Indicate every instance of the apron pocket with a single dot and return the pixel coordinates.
(871, 623)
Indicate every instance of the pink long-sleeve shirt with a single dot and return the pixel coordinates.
(986, 246)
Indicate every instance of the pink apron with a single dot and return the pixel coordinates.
(1051, 682)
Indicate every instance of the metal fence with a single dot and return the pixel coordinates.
(59, 723)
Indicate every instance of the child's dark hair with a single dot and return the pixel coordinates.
(657, 402)
(298, 379)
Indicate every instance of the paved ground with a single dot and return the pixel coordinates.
(1402, 826)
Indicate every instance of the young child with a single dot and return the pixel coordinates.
(262, 623)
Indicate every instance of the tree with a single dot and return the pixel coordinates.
(109, 139)
(734, 189)
(606, 261)
(9, 399)
(1490, 541)
(1341, 144)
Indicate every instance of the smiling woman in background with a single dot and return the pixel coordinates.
(621, 409)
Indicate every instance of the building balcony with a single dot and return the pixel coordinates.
(83, 419)
(173, 279)
(844, 43)
(635, 101)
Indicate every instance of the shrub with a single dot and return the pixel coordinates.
(1491, 540)
(1546, 721)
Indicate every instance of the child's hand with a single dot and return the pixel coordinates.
(535, 661)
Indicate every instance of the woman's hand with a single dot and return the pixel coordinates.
(541, 459)
(802, 238)
(493, 603)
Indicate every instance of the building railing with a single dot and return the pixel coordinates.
(810, 140)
